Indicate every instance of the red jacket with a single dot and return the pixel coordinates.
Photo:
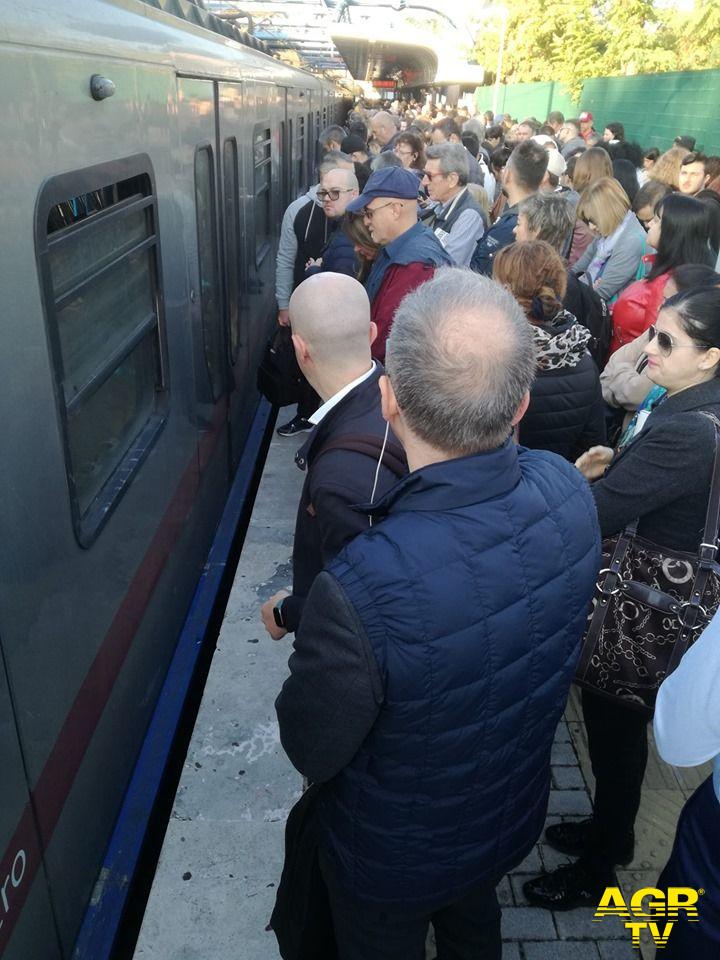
(398, 281)
(636, 309)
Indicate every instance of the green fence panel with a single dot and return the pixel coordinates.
(527, 100)
(655, 108)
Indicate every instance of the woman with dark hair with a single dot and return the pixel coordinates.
(660, 477)
(681, 233)
(614, 133)
(626, 175)
(646, 199)
(649, 158)
(410, 150)
(624, 381)
(366, 250)
(566, 413)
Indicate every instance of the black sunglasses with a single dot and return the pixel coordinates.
(666, 344)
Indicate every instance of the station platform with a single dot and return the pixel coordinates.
(215, 884)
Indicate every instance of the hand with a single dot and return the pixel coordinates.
(284, 318)
(313, 263)
(268, 618)
(594, 462)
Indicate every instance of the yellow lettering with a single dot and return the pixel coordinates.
(612, 904)
(654, 907)
(635, 927)
(660, 939)
(682, 898)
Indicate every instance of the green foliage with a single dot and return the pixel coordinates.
(571, 40)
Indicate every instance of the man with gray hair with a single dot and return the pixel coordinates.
(384, 130)
(458, 220)
(435, 654)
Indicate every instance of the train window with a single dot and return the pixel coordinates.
(310, 149)
(299, 155)
(210, 293)
(262, 183)
(98, 251)
(232, 242)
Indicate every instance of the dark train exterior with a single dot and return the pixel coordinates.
(137, 277)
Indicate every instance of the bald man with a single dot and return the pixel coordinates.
(332, 334)
(384, 130)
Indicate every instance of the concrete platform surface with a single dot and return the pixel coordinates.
(221, 861)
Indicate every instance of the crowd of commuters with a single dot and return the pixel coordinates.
(509, 339)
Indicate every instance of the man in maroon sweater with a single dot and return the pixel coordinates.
(410, 252)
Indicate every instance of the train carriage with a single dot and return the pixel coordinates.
(148, 156)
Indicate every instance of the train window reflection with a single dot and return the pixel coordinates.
(262, 174)
(99, 258)
(232, 242)
(299, 156)
(210, 293)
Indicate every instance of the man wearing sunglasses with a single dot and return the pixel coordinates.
(337, 188)
(410, 252)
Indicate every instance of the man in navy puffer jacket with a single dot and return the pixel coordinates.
(435, 654)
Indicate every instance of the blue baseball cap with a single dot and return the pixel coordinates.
(388, 182)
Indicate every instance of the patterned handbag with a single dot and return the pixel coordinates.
(650, 606)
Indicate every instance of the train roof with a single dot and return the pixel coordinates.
(143, 31)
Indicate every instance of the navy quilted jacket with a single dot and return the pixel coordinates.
(431, 668)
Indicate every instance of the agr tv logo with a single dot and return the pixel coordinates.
(658, 916)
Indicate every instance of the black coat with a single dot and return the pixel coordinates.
(336, 481)
(663, 475)
(566, 413)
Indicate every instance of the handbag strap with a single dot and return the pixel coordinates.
(605, 590)
(692, 613)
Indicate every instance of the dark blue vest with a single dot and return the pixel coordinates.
(416, 245)
(473, 593)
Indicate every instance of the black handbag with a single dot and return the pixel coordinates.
(650, 605)
(278, 376)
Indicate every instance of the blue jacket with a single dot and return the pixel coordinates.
(431, 667)
(417, 245)
(500, 235)
(338, 255)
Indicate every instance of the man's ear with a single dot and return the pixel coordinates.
(373, 332)
(521, 410)
(301, 351)
(388, 402)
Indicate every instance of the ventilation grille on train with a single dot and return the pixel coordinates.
(193, 12)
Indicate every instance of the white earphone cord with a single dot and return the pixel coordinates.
(377, 470)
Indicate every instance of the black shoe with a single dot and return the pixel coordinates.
(573, 836)
(570, 886)
(295, 426)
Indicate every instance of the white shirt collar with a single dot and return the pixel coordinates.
(325, 409)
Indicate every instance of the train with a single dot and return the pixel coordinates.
(149, 151)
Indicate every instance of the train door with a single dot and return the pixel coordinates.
(232, 144)
(200, 171)
(263, 110)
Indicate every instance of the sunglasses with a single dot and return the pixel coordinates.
(369, 212)
(333, 195)
(666, 344)
(431, 176)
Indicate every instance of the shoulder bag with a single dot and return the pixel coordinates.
(278, 376)
(650, 605)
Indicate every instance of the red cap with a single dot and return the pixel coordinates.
(586, 116)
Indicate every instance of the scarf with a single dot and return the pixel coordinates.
(652, 400)
(556, 350)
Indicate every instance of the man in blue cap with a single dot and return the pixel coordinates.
(409, 251)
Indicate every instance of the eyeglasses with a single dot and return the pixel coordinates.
(666, 344)
(369, 212)
(404, 153)
(431, 176)
(333, 195)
